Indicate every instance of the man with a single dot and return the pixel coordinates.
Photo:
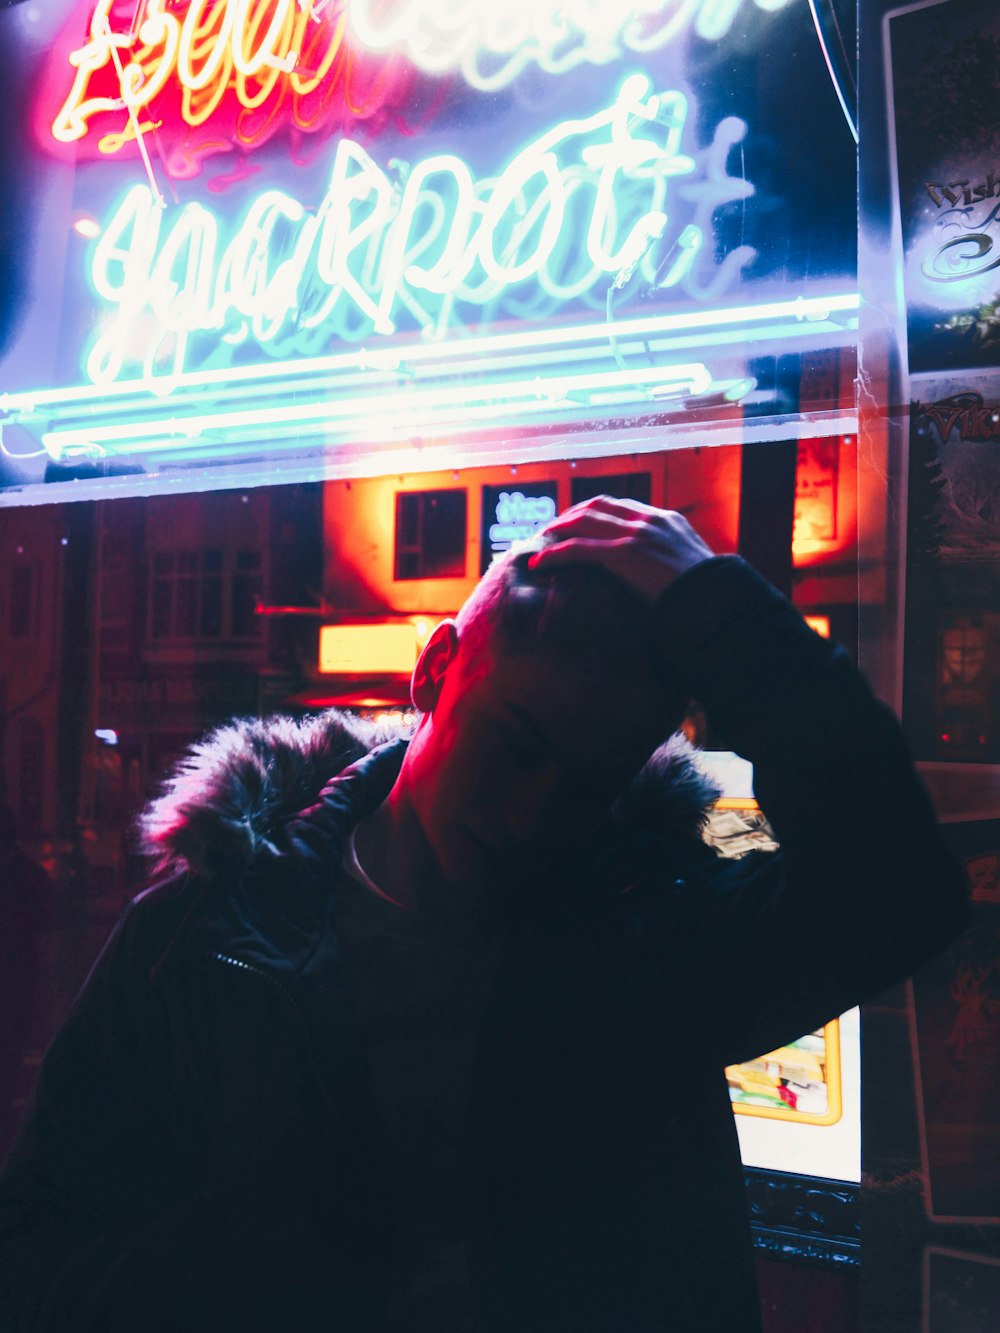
(437, 1043)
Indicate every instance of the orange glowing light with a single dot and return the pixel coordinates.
(820, 624)
(368, 649)
(816, 488)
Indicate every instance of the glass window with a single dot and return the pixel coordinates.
(205, 595)
(623, 485)
(31, 773)
(681, 209)
(430, 534)
(22, 602)
(247, 589)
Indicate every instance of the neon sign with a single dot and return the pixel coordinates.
(517, 517)
(249, 68)
(374, 416)
(421, 246)
(508, 516)
(208, 75)
(415, 389)
(489, 44)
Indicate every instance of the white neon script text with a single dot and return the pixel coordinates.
(422, 245)
(490, 43)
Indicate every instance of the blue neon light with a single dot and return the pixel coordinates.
(423, 246)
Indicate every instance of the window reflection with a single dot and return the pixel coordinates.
(158, 619)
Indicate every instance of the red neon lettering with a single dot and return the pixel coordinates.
(214, 75)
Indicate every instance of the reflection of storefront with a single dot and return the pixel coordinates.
(32, 573)
(171, 601)
(154, 718)
(379, 571)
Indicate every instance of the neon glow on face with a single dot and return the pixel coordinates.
(425, 246)
(490, 43)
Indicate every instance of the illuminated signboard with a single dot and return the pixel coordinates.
(514, 513)
(325, 225)
(427, 246)
(202, 75)
(798, 1108)
(254, 67)
(490, 46)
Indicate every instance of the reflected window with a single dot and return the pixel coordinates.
(430, 534)
(204, 595)
(22, 620)
(622, 485)
(31, 773)
(248, 587)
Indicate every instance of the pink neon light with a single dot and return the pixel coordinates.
(209, 76)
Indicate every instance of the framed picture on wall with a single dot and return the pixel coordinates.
(955, 1008)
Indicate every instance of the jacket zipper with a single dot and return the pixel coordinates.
(279, 988)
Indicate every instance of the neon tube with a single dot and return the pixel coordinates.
(424, 244)
(490, 45)
(451, 399)
(803, 310)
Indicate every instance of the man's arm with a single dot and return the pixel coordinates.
(81, 1236)
(864, 889)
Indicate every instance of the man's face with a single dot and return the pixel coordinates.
(519, 758)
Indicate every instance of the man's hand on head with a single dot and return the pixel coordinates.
(646, 548)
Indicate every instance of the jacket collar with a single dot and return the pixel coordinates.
(281, 795)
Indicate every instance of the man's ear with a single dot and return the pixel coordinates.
(428, 675)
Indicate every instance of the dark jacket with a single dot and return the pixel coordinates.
(203, 1153)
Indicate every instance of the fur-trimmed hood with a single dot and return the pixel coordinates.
(230, 798)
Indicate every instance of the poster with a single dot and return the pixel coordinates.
(956, 1040)
(951, 695)
(943, 58)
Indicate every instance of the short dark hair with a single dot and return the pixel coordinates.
(580, 615)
